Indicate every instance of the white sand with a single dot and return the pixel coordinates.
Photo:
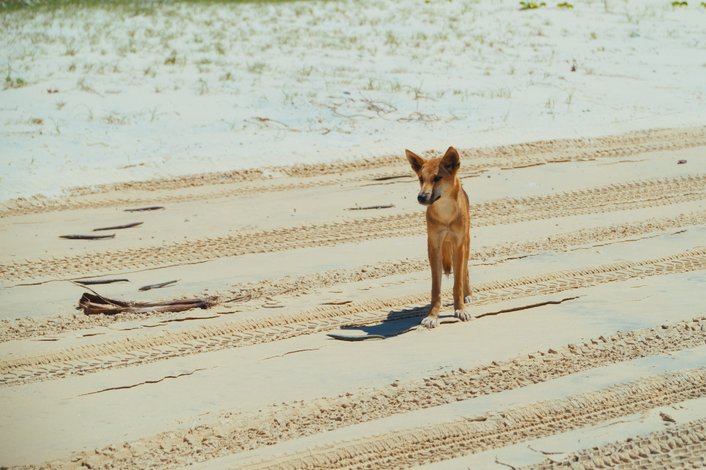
(588, 252)
(306, 82)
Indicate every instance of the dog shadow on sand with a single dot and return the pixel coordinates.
(396, 323)
(403, 321)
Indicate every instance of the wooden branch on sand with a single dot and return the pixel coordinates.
(94, 304)
(159, 286)
(142, 209)
(93, 282)
(87, 237)
(118, 227)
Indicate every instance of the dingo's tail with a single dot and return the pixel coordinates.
(446, 253)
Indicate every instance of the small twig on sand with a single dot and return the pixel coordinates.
(240, 298)
(93, 282)
(159, 286)
(118, 227)
(505, 464)
(392, 177)
(544, 452)
(141, 209)
(87, 237)
(386, 206)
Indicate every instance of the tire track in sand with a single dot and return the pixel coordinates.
(469, 435)
(683, 446)
(626, 196)
(299, 285)
(479, 160)
(520, 155)
(132, 351)
(237, 432)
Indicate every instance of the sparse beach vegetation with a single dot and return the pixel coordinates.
(131, 57)
(250, 155)
(531, 5)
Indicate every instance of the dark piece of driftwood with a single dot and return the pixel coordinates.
(386, 206)
(148, 208)
(394, 177)
(94, 304)
(118, 227)
(159, 286)
(87, 237)
(93, 282)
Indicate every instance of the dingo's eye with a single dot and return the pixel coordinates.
(437, 178)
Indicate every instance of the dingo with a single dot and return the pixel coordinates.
(448, 228)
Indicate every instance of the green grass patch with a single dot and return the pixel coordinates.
(11, 82)
(531, 5)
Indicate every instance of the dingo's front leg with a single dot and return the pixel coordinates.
(432, 320)
(467, 287)
(460, 261)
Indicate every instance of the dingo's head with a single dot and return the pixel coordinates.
(437, 176)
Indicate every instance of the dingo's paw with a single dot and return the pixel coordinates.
(467, 299)
(463, 315)
(430, 322)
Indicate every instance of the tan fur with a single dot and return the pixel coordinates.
(446, 254)
(448, 228)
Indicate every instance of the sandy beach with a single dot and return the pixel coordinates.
(587, 281)
(588, 262)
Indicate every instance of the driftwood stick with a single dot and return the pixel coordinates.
(159, 286)
(92, 282)
(93, 304)
(394, 177)
(240, 298)
(118, 227)
(386, 206)
(147, 208)
(99, 297)
(87, 237)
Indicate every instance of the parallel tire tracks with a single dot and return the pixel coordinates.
(478, 160)
(511, 156)
(410, 442)
(233, 433)
(649, 193)
(130, 351)
(298, 285)
(683, 446)
(433, 443)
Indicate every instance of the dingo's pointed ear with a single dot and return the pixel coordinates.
(451, 160)
(415, 160)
